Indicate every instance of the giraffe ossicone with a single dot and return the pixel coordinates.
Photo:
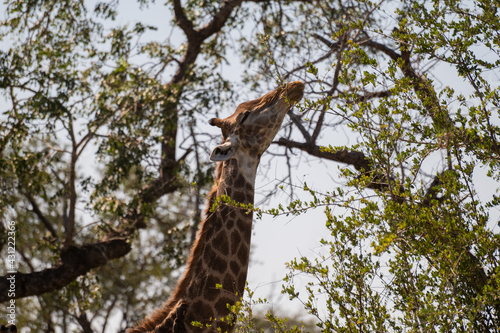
(216, 271)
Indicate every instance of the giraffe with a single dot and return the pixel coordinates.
(216, 270)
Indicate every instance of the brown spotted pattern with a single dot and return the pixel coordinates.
(217, 268)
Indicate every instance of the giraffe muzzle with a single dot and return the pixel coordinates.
(222, 152)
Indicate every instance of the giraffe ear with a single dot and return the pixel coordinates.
(215, 122)
(222, 152)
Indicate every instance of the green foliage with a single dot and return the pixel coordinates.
(419, 251)
(413, 243)
(249, 321)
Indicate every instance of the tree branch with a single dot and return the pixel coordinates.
(381, 47)
(432, 190)
(357, 159)
(75, 261)
(302, 129)
(84, 323)
(219, 19)
(370, 95)
(422, 87)
(327, 42)
(338, 66)
(39, 214)
(69, 225)
(182, 21)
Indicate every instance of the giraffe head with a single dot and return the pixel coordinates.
(254, 124)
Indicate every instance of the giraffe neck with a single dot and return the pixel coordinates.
(217, 268)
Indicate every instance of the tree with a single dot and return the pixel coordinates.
(417, 245)
(414, 242)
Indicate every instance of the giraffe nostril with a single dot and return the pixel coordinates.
(222, 152)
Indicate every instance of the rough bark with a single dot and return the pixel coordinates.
(74, 262)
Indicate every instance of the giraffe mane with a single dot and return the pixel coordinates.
(261, 102)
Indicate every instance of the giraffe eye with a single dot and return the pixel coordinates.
(245, 116)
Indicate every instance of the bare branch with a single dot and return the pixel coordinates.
(335, 84)
(357, 159)
(41, 216)
(327, 42)
(381, 47)
(84, 323)
(370, 95)
(69, 225)
(219, 19)
(298, 123)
